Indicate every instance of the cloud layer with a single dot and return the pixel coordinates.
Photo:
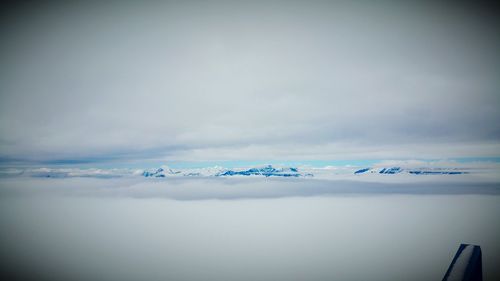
(217, 81)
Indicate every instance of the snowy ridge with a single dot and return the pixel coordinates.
(165, 171)
(265, 171)
(305, 171)
(383, 172)
(413, 171)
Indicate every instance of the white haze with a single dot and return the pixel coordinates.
(101, 229)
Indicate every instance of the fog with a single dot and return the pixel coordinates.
(87, 229)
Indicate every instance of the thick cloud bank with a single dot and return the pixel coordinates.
(217, 80)
(243, 228)
(236, 188)
(397, 237)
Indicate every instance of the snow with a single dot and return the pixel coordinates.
(413, 172)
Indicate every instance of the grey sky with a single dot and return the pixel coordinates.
(233, 80)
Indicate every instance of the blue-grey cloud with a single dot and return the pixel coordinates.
(229, 80)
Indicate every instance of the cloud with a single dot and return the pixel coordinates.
(212, 81)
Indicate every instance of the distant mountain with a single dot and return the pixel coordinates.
(393, 170)
(420, 172)
(378, 172)
(165, 171)
(361, 171)
(413, 171)
(160, 173)
(265, 171)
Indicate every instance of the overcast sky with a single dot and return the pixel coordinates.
(206, 81)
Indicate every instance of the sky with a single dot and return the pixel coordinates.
(204, 81)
